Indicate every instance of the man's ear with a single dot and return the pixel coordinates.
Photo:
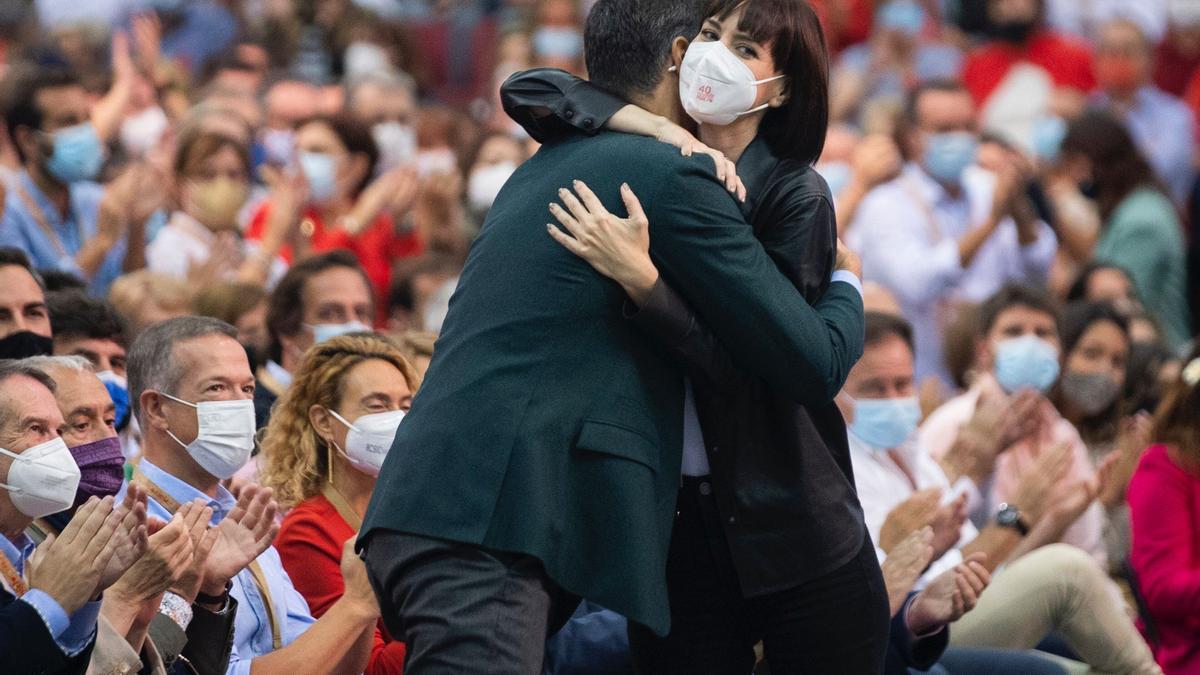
(678, 49)
(26, 139)
(151, 404)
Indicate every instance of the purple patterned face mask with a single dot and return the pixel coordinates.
(102, 468)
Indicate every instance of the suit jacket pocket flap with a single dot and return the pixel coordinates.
(612, 439)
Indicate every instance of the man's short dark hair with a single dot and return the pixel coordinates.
(627, 43)
(1016, 295)
(285, 307)
(909, 119)
(10, 255)
(882, 325)
(151, 364)
(75, 314)
(18, 103)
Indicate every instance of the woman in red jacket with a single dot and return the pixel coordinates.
(324, 446)
(1164, 504)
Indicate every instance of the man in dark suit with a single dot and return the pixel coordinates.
(49, 600)
(540, 462)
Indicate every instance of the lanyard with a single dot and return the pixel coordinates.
(342, 506)
(12, 577)
(260, 580)
(39, 217)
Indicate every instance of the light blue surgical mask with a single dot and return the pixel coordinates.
(320, 170)
(1047, 137)
(1026, 362)
(885, 423)
(327, 331)
(557, 42)
(948, 154)
(78, 154)
(836, 174)
(902, 16)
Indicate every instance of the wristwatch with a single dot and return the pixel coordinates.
(1010, 516)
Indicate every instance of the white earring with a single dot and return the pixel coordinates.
(672, 69)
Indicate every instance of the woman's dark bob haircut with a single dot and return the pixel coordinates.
(796, 130)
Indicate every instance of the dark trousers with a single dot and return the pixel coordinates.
(464, 609)
(834, 624)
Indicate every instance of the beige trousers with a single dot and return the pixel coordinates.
(1059, 589)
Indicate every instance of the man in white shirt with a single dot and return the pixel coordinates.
(944, 231)
(1040, 589)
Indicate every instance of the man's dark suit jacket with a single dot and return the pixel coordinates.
(26, 645)
(547, 425)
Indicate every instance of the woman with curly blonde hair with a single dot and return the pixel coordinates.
(326, 441)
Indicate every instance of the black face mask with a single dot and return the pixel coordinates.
(24, 344)
(1016, 32)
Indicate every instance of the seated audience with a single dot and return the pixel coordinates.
(57, 213)
(327, 438)
(1041, 588)
(339, 205)
(1163, 496)
(972, 230)
(1105, 282)
(24, 318)
(49, 599)
(1018, 357)
(132, 635)
(201, 241)
(192, 390)
(1140, 230)
(320, 297)
(1162, 125)
(1095, 344)
(92, 329)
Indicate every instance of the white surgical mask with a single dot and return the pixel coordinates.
(485, 183)
(141, 132)
(436, 162)
(327, 331)
(225, 438)
(369, 439)
(397, 144)
(43, 479)
(715, 86)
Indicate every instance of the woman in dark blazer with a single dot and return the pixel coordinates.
(769, 542)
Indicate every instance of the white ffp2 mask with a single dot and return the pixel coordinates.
(225, 436)
(370, 438)
(715, 86)
(43, 479)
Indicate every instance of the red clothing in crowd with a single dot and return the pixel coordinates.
(1068, 62)
(1164, 506)
(310, 544)
(1172, 70)
(376, 247)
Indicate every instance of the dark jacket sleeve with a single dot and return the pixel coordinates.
(704, 249)
(210, 639)
(26, 645)
(789, 241)
(550, 103)
(907, 651)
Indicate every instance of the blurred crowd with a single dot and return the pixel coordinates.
(241, 221)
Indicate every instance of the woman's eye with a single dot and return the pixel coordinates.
(746, 51)
(709, 35)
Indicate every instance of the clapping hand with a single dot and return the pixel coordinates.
(951, 595)
(909, 516)
(130, 540)
(67, 567)
(1035, 492)
(1132, 440)
(904, 564)
(243, 535)
(194, 520)
(947, 525)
